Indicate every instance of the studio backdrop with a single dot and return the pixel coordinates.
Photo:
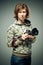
(7, 18)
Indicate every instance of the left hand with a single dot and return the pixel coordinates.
(31, 36)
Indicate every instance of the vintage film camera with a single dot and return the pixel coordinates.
(33, 32)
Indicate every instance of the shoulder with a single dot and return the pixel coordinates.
(12, 25)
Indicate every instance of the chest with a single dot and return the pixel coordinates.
(21, 29)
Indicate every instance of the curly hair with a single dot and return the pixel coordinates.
(21, 6)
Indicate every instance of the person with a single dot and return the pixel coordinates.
(16, 35)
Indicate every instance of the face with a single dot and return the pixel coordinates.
(22, 14)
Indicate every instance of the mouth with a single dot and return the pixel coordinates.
(23, 17)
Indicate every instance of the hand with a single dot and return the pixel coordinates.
(24, 36)
(31, 36)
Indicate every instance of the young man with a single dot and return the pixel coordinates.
(17, 36)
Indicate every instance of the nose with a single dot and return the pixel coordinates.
(22, 14)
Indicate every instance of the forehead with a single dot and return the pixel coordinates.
(22, 10)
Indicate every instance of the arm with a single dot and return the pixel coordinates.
(29, 37)
(28, 34)
(10, 37)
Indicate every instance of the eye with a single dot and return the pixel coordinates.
(24, 11)
(20, 12)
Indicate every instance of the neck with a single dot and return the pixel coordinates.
(20, 22)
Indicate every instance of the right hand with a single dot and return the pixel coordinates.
(24, 36)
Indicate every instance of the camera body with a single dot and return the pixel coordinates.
(33, 32)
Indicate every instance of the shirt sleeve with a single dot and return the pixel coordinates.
(10, 36)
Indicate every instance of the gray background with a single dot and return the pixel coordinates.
(6, 19)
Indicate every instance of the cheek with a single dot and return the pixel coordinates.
(25, 14)
(18, 15)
